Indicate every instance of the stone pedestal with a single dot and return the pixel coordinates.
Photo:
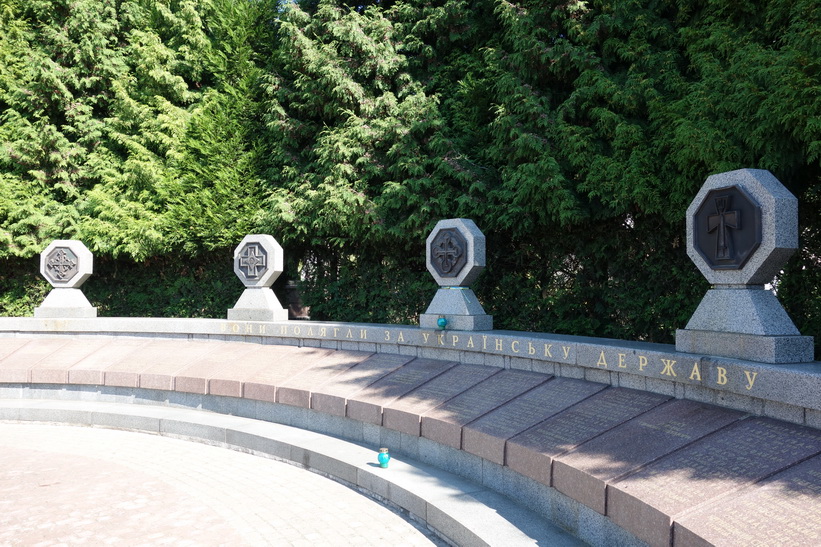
(66, 264)
(62, 302)
(741, 229)
(455, 253)
(258, 304)
(258, 261)
(748, 323)
(460, 307)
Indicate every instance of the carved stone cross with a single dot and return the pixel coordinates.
(252, 260)
(722, 221)
(447, 251)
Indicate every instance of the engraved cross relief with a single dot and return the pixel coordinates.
(727, 228)
(252, 261)
(448, 250)
(62, 264)
(722, 222)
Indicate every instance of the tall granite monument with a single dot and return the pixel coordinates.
(258, 261)
(455, 253)
(742, 227)
(66, 264)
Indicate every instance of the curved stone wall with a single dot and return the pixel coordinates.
(555, 422)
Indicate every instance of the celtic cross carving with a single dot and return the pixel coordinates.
(253, 261)
(61, 264)
(448, 251)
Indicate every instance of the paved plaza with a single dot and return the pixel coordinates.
(64, 485)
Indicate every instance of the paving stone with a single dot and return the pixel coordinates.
(404, 414)
(584, 472)
(444, 423)
(785, 507)
(297, 390)
(69, 485)
(531, 453)
(331, 397)
(646, 502)
(486, 437)
(366, 404)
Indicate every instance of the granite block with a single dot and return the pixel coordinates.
(155, 353)
(698, 393)
(16, 366)
(449, 459)
(289, 362)
(10, 345)
(54, 369)
(404, 413)
(366, 404)
(328, 404)
(131, 422)
(194, 376)
(631, 381)
(744, 403)
(584, 472)
(259, 391)
(191, 429)
(331, 396)
(486, 436)
(599, 376)
(244, 366)
(91, 369)
(296, 391)
(570, 371)
(444, 423)
(225, 388)
(647, 502)
(781, 411)
(813, 418)
(260, 442)
(749, 347)
(169, 361)
(784, 509)
(531, 453)
(749, 311)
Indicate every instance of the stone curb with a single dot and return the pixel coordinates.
(458, 510)
(789, 392)
(522, 434)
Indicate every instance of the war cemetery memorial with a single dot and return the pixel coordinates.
(495, 437)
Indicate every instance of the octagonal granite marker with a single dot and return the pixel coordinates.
(455, 256)
(258, 261)
(66, 264)
(742, 227)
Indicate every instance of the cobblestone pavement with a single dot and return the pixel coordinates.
(63, 485)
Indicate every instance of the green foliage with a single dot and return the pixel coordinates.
(126, 121)
(574, 133)
(165, 286)
(21, 287)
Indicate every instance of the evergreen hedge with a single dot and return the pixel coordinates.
(575, 134)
